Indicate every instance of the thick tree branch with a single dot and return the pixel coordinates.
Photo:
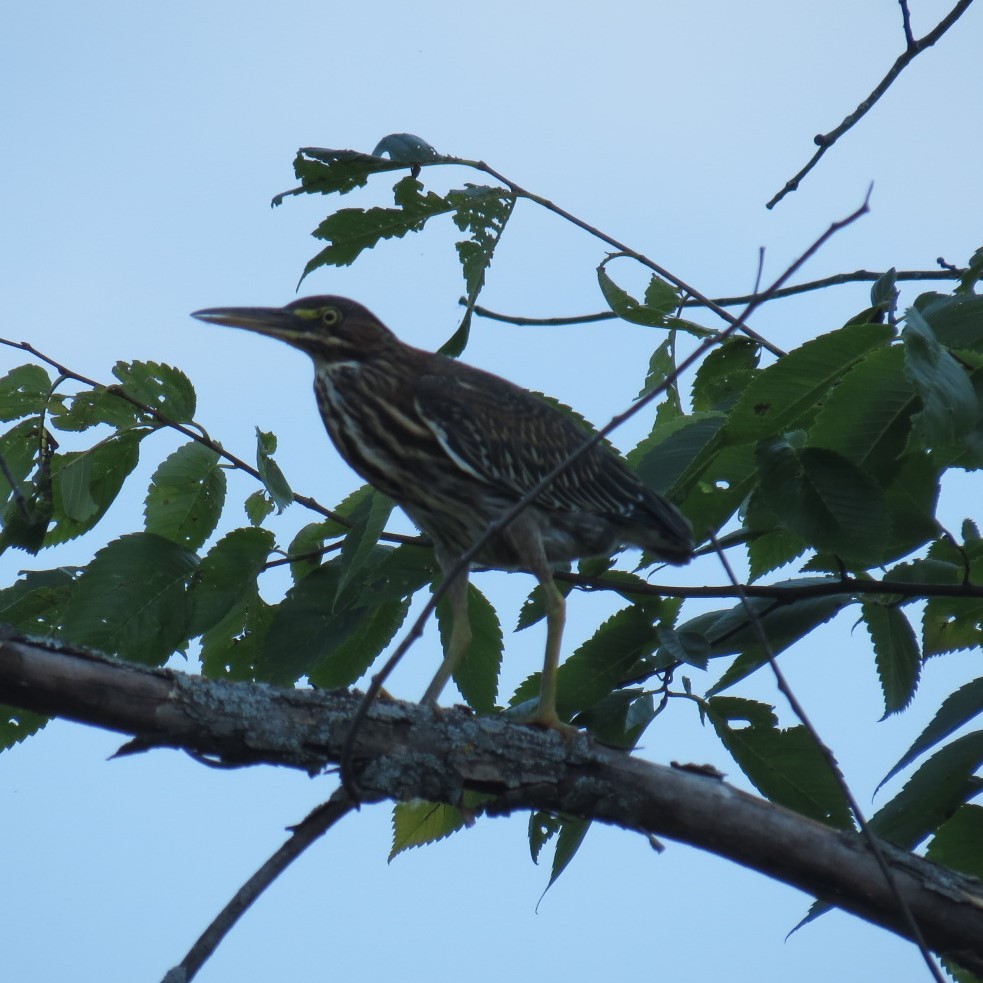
(914, 48)
(406, 751)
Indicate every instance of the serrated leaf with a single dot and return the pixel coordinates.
(132, 600)
(91, 407)
(786, 766)
(724, 374)
(306, 549)
(956, 321)
(956, 710)
(419, 822)
(19, 448)
(571, 835)
(258, 506)
(24, 391)
(824, 498)
(952, 623)
(543, 826)
(269, 471)
(674, 450)
(16, 725)
(351, 230)
(956, 843)
(94, 476)
(785, 395)
(186, 495)
(896, 653)
(665, 299)
(476, 675)
(600, 663)
(773, 549)
(165, 389)
(230, 650)
(227, 573)
(368, 520)
(324, 171)
(533, 608)
(34, 603)
(940, 786)
(950, 408)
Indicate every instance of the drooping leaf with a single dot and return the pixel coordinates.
(405, 147)
(786, 394)
(227, 573)
(884, 292)
(661, 364)
(85, 483)
(660, 301)
(786, 766)
(419, 822)
(477, 673)
(571, 835)
(16, 725)
(19, 448)
(186, 495)
(950, 408)
(258, 506)
(165, 389)
(132, 600)
(24, 391)
(368, 520)
(543, 826)
(269, 471)
(896, 653)
(824, 498)
(940, 786)
(956, 710)
(323, 171)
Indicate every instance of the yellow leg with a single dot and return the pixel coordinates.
(459, 642)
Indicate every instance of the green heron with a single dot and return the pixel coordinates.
(457, 447)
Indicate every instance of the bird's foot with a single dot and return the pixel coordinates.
(550, 720)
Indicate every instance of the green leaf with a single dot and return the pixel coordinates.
(132, 600)
(35, 602)
(725, 374)
(956, 321)
(186, 495)
(543, 826)
(940, 786)
(419, 822)
(824, 498)
(773, 549)
(165, 389)
(226, 575)
(660, 301)
(786, 766)
(483, 212)
(368, 519)
(323, 171)
(951, 409)
(17, 724)
(306, 548)
(786, 394)
(717, 485)
(405, 147)
(258, 506)
(350, 230)
(952, 623)
(673, 451)
(884, 291)
(974, 273)
(956, 843)
(230, 650)
(19, 448)
(91, 407)
(24, 391)
(620, 718)
(896, 652)
(533, 608)
(661, 364)
(477, 673)
(957, 709)
(269, 471)
(571, 835)
(81, 479)
(600, 664)
(867, 417)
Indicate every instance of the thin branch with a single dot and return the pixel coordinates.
(906, 24)
(826, 140)
(495, 528)
(302, 836)
(859, 276)
(200, 437)
(834, 767)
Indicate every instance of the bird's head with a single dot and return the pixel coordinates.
(332, 329)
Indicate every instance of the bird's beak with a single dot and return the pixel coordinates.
(273, 321)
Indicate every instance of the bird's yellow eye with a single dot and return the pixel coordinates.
(330, 316)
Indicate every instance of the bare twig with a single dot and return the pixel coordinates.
(858, 276)
(826, 140)
(834, 767)
(494, 528)
(301, 837)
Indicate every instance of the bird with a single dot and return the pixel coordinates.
(457, 447)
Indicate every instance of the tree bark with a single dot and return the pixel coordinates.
(405, 751)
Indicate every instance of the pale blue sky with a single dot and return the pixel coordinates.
(141, 148)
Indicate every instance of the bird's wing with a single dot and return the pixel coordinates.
(509, 438)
